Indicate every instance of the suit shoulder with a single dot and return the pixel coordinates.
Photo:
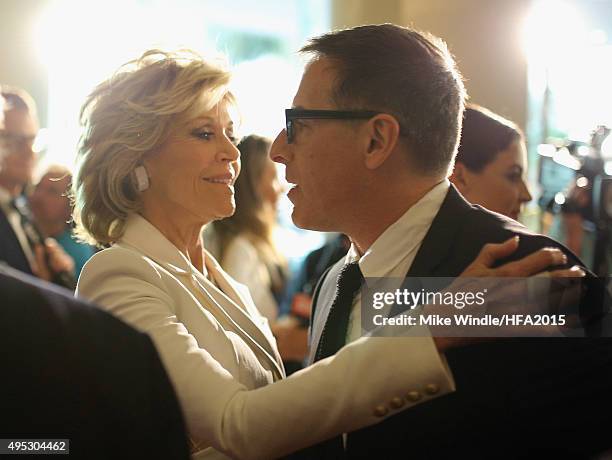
(495, 228)
(485, 221)
(42, 306)
(484, 226)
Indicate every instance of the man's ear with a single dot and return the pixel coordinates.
(460, 177)
(384, 131)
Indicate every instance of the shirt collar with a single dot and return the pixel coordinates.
(402, 237)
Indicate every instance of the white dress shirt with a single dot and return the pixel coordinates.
(392, 254)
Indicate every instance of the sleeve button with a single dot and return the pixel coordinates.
(413, 396)
(432, 389)
(381, 411)
(396, 403)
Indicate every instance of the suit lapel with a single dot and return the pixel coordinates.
(11, 250)
(323, 296)
(441, 235)
(433, 252)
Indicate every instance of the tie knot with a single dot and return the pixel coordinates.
(349, 280)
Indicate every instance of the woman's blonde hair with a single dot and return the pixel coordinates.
(125, 118)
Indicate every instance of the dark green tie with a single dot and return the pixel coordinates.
(334, 332)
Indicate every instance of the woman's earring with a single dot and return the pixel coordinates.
(142, 178)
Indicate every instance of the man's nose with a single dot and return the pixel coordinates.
(525, 194)
(279, 152)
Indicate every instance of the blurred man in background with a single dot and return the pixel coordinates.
(52, 213)
(21, 246)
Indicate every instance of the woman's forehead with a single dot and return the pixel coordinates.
(223, 113)
(514, 154)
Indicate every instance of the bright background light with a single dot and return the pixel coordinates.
(552, 28)
(94, 42)
(571, 60)
(83, 43)
(569, 63)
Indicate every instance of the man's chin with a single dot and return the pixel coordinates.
(306, 222)
(299, 219)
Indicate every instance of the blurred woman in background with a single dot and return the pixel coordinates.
(491, 163)
(245, 241)
(52, 212)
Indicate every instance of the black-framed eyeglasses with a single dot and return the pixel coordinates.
(294, 114)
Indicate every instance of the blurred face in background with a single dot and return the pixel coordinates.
(501, 185)
(17, 138)
(49, 201)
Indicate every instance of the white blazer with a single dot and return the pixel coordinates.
(221, 356)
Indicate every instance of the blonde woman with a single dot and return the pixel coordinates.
(157, 161)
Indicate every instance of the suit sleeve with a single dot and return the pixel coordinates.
(279, 418)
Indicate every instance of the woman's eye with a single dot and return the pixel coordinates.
(206, 135)
(514, 177)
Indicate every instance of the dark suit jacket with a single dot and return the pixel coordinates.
(515, 397)
(10, 250)
(71, 370)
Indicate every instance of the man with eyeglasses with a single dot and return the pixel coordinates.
(21, 245)
(368, 147)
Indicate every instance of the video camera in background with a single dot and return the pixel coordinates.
(576, 177)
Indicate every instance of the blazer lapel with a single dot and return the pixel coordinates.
(144, 237)
(235, 314)
(229, 289)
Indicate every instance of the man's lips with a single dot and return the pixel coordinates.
(292, 191)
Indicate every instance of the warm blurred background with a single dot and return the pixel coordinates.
(543, 64)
